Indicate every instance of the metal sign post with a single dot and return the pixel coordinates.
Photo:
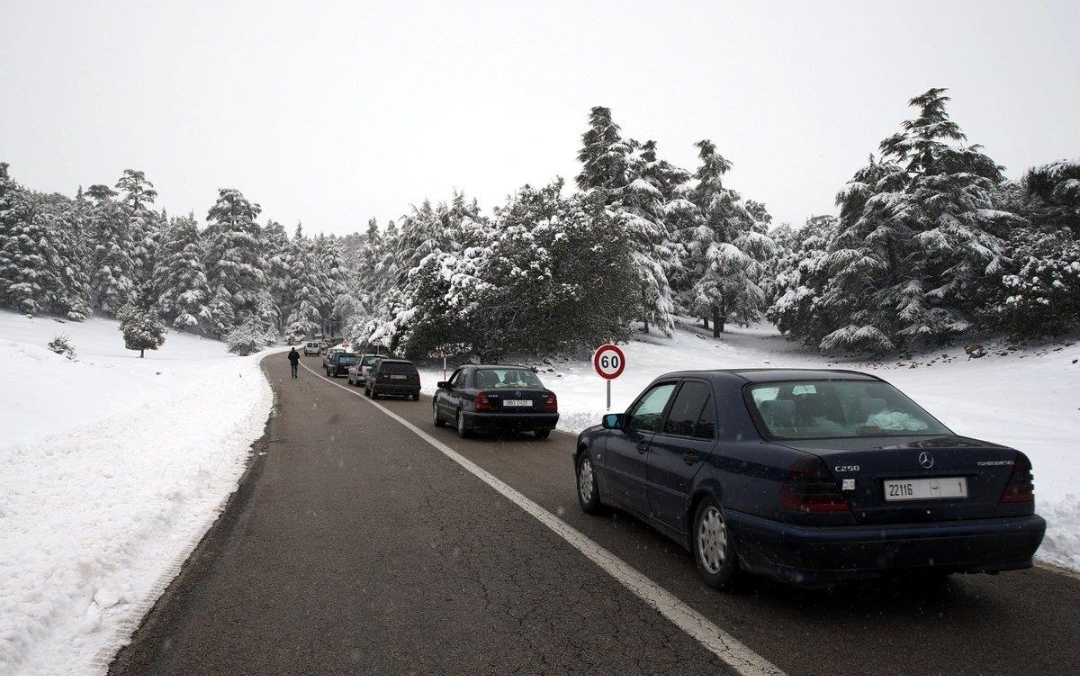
(609, 363)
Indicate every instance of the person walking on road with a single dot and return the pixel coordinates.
(294, 360)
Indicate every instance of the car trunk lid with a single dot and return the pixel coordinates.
(916, 479)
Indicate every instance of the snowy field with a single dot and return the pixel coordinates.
(1028, 399)
(112, 467)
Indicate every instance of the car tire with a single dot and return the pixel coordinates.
(437, 419)
(541, 434)
(459, 421)
(374, 393)
(712, 546)
(588, 490)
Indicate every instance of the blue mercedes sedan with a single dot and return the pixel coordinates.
(809, 476)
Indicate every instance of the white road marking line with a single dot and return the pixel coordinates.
(725, 646)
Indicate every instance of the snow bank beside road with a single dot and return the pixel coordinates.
(111, 469)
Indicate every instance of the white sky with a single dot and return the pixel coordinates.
(333, 113)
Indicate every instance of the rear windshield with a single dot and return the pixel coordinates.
(347, 359)
(815, 409)
(507, 378)
(397, 367)
(369, 360)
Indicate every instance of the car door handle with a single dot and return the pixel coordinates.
(642, 446)
(690, 457)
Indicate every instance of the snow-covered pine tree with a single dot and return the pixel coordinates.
(800, 274)
(920, 233)
(181, 278)
(278, 250)
(603, 154)
(234, 256)
(137, 195)
(142, 329)
(726, 249)
(113, 278)
(304, 292)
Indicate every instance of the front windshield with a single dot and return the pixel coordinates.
(814, 409)
(507, 378)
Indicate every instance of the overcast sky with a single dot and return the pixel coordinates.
(334, 113)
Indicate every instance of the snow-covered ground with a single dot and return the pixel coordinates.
(1026, 398)
(112, 467)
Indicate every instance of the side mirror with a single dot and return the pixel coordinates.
(612, 421)
(444, 385)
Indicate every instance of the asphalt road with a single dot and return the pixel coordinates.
(354, 546)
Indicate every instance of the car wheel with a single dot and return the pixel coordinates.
(541, 434)
(588, 493)
(462, 431)
(374, 393)
(439, 422)
(714, 551)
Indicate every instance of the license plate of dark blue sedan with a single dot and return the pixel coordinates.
(936, 488)
(516, 402)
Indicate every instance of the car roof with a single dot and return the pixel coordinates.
(387, 360)
(778, 375)
(499, 366)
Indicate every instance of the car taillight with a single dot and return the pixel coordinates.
(1021, 486)
(482, 402)
(808, 487)
(552, 403)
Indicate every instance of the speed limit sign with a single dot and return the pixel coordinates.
(609, 362)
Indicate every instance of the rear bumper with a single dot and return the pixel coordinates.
(811, 556)
(511, 422)
(395, 389)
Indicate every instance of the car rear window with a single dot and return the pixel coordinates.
(397, 367)
(838, 409)
(347, 359)
(369, 360)
(507, 378)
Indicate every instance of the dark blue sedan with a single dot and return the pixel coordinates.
(811, 477)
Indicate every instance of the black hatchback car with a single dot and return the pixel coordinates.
(810, 477)
(395, 377)
(338, 364)
(496, 398)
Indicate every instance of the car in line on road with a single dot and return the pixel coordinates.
(340, 362)
(495, 398)
(312, 349)
(811, 477)
(393, 377)
(358, 372)
(328, 355)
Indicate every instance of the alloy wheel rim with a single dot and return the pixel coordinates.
(712, 540)
(585, 480)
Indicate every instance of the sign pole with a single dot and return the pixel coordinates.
(609, 396)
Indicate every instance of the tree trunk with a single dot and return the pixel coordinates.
(141, 353)
(644, 312)
(705, 321)
(718, 322)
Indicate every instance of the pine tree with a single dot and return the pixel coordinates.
(145, 226)
(726, 248)
(304, 292)
(920, 234)
(142, 329)
(235, 265)
(113, 278)
(181, 277)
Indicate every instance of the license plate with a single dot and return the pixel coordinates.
(516, 402)
(396, 376)
(926, 489)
